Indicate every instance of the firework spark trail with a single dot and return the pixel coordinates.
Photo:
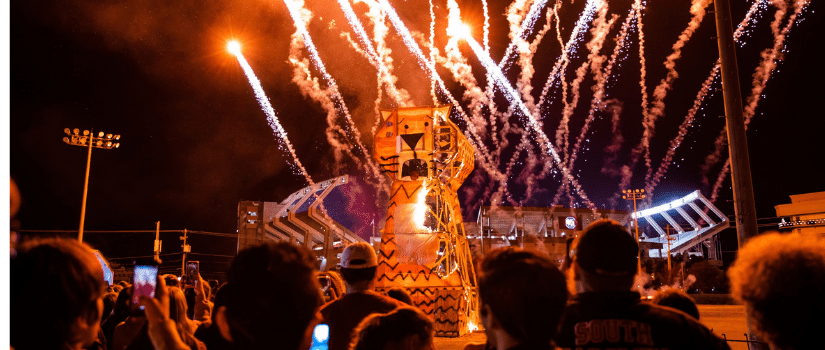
(486, 31)
(523, 83)
(385, 77)
(311, 87)
(461, 70)
(657, 109)
(432, 52)
(742, 29)
(526, 52)
(599, 32)
(518, 35)
(297, 12)
(462, 73)
(406, 37)
(612, 150)
(627, 170)
(601, 81)
(514, 99)
(721, 140)
(271, 116)
(519, 32)
(771, 58)
(601, 27)
(563, 130)
(569, 49)
(683, 130)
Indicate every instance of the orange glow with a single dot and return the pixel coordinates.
(234, 47)
(464, 31)
(420, 212)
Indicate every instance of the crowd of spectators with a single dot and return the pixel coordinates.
(273, 300)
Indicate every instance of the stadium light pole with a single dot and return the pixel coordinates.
(88, 140)
(634, 195)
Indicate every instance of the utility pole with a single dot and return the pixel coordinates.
(186, 249)
(157, 241)
(740, 168)
(667, 228)
(744, 203)
(89, 141)
(634, 195)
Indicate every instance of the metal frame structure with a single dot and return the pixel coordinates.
(312, 228)
(703, 230)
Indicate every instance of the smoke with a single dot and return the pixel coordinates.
(743, 28)
(569, 49)
(771, 57)
(611, 151)
(697, 9)
(271, 117)
(301, 16)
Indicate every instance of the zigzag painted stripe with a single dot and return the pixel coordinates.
(392, 267)
(392, 252)
(405, 191)
(404, 276)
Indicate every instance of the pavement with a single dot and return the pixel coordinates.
(727, 321)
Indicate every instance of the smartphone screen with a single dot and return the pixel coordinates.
(192, 271)
(320, 337)
(146, 277)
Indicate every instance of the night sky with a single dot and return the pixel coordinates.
(195, 141)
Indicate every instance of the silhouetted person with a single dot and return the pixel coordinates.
(208, 331)
(676, 299)
(606, 314)
(271, 304)
(120, 312)
(779, 278)
(400, 294)
(522, 297)
(56, 295)
(405, 328)
(358, 266)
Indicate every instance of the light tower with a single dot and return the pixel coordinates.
(634, 195)
(88, 140)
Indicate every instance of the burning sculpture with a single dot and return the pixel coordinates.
(423, 244)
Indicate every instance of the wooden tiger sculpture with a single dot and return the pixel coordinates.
(423, 243)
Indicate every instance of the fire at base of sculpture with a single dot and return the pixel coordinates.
(423, 244)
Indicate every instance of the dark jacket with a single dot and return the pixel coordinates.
(602, 320)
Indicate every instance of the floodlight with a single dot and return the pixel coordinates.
(100, 134)
(85, 132)
(76, 131)
(67, 131)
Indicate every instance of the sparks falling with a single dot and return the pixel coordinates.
(234, 47)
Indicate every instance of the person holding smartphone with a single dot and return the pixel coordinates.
(271, 302)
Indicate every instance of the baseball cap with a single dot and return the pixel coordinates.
(359, 255)
(606, 248)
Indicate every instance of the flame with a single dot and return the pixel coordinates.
(420, 212)
(472, 326)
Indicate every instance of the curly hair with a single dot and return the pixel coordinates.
(779, 279)
(382, 331)
(676, 299)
